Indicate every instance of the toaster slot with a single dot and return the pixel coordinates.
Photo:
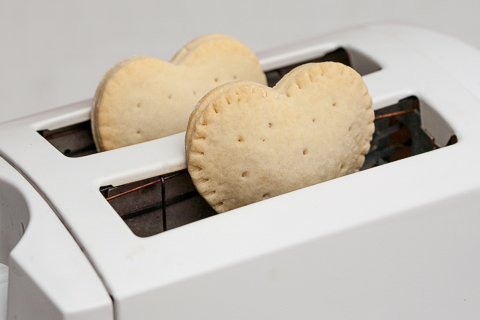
(158, 204)
(73, 141)
(76, 140)
(155, 205)
(400, 133)
(350, 57)
(339, 55)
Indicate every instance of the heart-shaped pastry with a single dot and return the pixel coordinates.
(143, 98)
(246, 142)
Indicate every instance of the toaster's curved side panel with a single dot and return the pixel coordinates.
(14, 218)
(49, 276)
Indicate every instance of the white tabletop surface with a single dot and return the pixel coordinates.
(54, 52)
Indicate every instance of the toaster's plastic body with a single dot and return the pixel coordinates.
(398, 241)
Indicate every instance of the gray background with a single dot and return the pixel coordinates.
(54, 53)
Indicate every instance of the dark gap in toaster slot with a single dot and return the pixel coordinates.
(350, 57)
(339, 55)
(399, 134)
(73, 141)
(154, 205)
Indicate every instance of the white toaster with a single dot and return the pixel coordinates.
(123, 234)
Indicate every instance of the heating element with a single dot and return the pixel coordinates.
(130, 235)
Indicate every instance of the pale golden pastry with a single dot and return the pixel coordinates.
(143, 98)
(247, 142)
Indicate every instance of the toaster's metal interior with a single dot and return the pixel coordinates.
(157, 204)
(73, 141)
(399, 134)
(339, 55)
